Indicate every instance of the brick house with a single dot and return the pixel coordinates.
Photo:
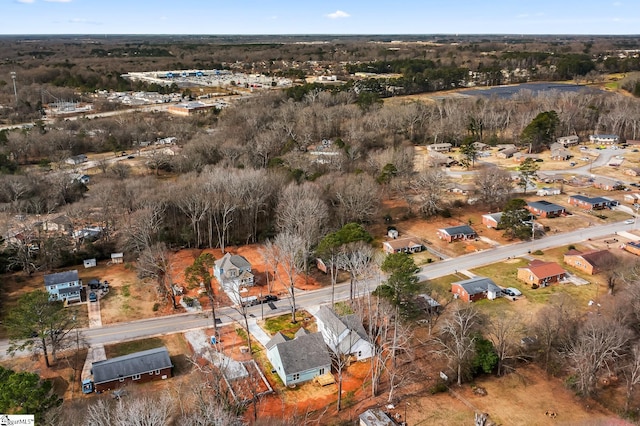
(475, 289)
(588, 262)
(138, 367)
(492, 220)
(541, 273)
(589, 203)
(403, 245)
(457, 233)
(606, 183)
(545, 209)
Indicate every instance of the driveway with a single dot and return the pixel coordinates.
(95, 319)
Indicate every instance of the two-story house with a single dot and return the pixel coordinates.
(63, 286)
(233, 270)
(344, 335)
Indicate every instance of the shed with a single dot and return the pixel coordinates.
(89, 263)
(117, 257)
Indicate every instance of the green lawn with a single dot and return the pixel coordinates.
(126, 348)
(284, 325)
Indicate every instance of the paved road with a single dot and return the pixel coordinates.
(183, 322)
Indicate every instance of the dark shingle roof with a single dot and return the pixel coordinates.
(462, 229)
(591, 200)
(545, 206)
(129, 365)
(69, 290)
(61, 277)
(478, 285)
(303, 353)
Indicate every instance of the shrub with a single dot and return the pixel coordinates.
(156, 306)
(534, 286)
(439, 387)
(538, 252)
(571, 247)
(446, 213)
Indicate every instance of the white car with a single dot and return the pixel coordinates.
(511, 291)
(629, 221)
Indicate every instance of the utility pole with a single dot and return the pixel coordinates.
(15, 90)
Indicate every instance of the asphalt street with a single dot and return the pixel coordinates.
(114, 333)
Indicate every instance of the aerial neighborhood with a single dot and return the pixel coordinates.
(275, 230)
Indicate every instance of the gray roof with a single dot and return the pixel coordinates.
(303, 353)
(545, 206)
(591, 200)
(61, 277)
(130, 365)
(477, 285)
(331, 320)
(494, 216)
(462, 229)
(338, 325)
(69, 290)
(278, 338)
(235, 259)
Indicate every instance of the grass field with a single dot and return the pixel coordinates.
(284, 325)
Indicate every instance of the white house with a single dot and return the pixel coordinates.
(566, 141)
(63, 286)
(233, 268)
(344, 335)
(542, 192)
(604, 139)
(439, 147)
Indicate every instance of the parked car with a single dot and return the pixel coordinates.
(269, 298)
(94, 284)
(93, 297)
(511, 291)
(629, 221)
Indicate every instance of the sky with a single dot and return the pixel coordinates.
(319, 17)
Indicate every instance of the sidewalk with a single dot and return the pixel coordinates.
(258, 333)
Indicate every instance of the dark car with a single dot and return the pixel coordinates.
(270, 298)
(131, 157)
(94, 284)
(93, 297)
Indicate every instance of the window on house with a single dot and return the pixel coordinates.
(151, 373)
(321, 371)
(121, 379)
(136, 377)
(157, 371)
(296, 376)
(359, 354)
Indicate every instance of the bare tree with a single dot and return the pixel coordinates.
(631, 371)
(357, 198)
(554, 326)
(505, 332)
(154, 262)
(599, 342)
(494, 186)
(427, 191)
(302, 212)
(457, 339)
(290, 249)
(355, 257)
(192, 200)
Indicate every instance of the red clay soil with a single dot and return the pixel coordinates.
(184, 258)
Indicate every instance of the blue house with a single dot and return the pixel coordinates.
(301, 359)
(64, 286)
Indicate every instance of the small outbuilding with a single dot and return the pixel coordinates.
(89, 263)
(117, 257)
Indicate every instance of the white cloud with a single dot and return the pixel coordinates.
(522, 15)
(83, 21)
(338, 14)
(58, 1)
(617, 3)
(25, 1)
